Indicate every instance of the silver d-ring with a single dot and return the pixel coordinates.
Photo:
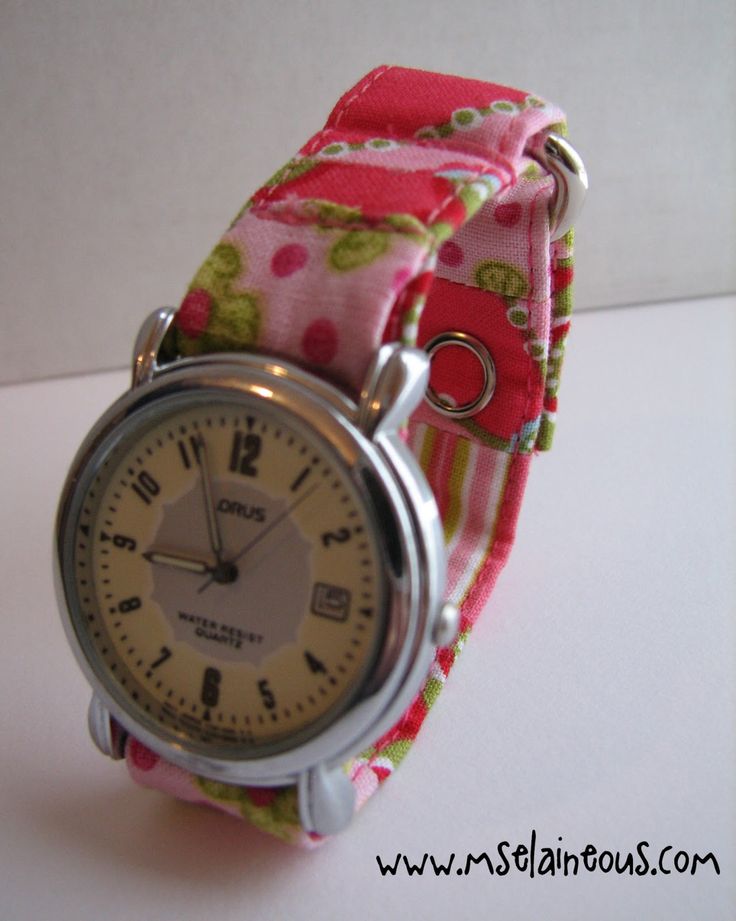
(563, 161)
(465, 341)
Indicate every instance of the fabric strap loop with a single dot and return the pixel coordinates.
(416, 211)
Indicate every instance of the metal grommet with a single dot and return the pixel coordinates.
(563, 161)
(465, 341)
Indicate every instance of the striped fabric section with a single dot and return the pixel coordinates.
(478, 490)
(468, 479)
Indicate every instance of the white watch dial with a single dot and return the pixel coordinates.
(228, 580)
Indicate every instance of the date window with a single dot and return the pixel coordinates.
(330, 601)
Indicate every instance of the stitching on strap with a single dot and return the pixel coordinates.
(359, 92)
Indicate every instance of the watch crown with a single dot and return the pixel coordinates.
(446, 624)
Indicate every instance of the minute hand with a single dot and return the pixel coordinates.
(259, 537)
(212, 527)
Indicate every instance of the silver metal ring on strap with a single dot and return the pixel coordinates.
(440, 401)
(563, 161)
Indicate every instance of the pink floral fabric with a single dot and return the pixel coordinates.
(418, 209)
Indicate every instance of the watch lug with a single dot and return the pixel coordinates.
(107, 735)
(148, 342)
(394, 385)
(326, 800)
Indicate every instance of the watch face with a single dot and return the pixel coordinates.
(226, 582)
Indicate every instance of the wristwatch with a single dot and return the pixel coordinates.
(270, 550)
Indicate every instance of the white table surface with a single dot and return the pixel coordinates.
(596, 700)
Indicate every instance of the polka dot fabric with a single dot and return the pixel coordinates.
(418, 209)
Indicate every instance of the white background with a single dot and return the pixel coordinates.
(132, 132)
(596, 699)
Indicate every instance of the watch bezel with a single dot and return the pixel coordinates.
(414, 587)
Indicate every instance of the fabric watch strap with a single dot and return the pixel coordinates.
(421, 208)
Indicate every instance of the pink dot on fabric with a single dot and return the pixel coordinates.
(509, 214)
(143, 758)
(289, 259)
(451, 254)
(194, 313)
(319, 342)
(401, 278)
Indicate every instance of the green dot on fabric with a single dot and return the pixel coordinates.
(563, 302)
(378, 143)
(225, 260)
(503, 106)
(221, 792)
(285, 805)
(545, 435)
(532, 171)
(445, 131)
(464, 117)
(407, 224)
(235, 321)
(329, 213)
(517, 317)
(442, 231)
(472, 197)
(357, 248)
(431, 691)
(332, 149)
(292, 170)
(218, 269)
(501, 278)
(396, 751)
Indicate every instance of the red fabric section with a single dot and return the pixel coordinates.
(376, 191)
(503, 539)
(408, 725)
(417, 286)
(414, 99)
(456, 371)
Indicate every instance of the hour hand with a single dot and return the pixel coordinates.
(179, 562)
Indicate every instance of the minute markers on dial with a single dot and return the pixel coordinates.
(162, 659)
(301, 477)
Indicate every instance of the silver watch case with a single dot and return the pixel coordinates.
(365, 435)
